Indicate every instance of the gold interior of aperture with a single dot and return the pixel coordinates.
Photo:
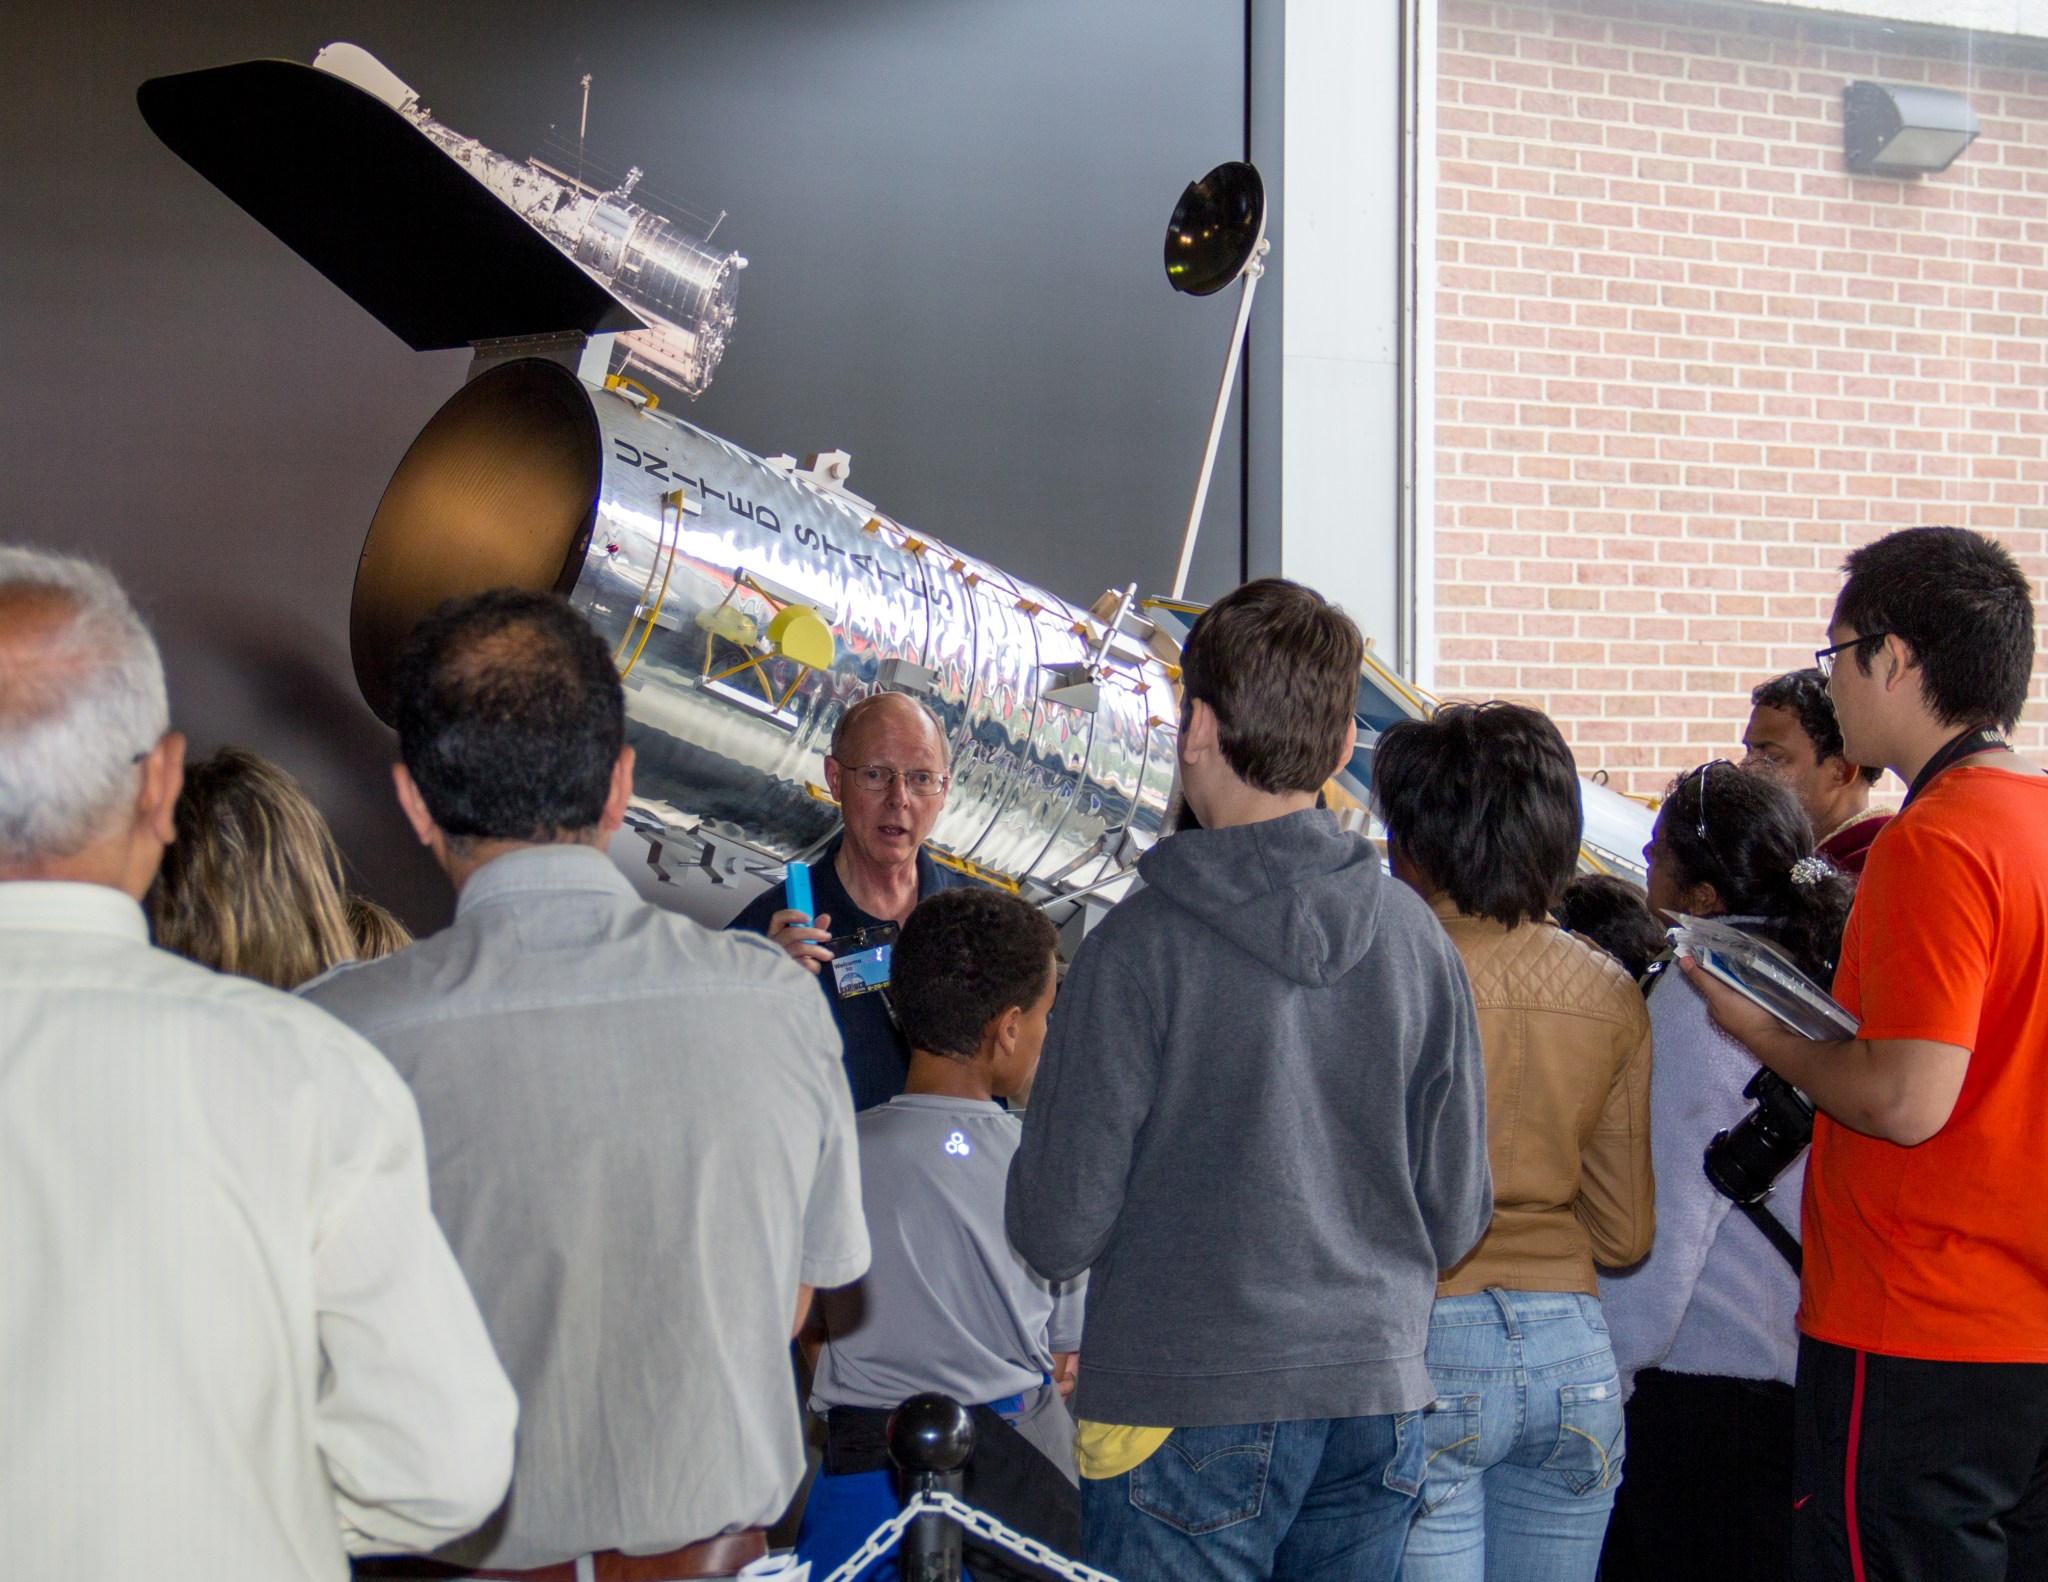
(498, 491)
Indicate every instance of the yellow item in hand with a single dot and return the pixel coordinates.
(1108, 1450)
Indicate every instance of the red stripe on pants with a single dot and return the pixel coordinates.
(1849, 1472)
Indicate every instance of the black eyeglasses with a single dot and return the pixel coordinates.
(1824, 658)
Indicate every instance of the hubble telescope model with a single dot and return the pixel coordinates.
(677, 283)
(747, 601)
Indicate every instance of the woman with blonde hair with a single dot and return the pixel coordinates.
(377, 932)
(253, 883)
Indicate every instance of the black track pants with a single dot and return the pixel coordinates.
(1912, 1471)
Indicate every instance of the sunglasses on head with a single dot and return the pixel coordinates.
(1705, 772)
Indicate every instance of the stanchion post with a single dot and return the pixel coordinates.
(931, 1438)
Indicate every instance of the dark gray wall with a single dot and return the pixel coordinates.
(953, 209)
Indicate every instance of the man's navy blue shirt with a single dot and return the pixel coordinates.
(877, 1058)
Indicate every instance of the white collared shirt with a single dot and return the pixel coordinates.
(233, 1342)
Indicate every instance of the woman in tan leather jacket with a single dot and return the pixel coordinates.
(1481, 804)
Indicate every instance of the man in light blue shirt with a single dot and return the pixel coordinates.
(639, 1132)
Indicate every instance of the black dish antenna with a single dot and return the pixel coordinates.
(1217, 235)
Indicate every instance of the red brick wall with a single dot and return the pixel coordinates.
(1685, 361)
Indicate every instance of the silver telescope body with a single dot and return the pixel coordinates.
(748, 604)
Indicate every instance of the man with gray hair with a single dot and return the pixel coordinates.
(887, 769)
(233, 1342)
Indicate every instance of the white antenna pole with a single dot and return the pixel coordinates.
(1252, 271)
(582, 130)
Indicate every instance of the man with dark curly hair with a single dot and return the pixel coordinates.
(639, 1134)
(1793, 737)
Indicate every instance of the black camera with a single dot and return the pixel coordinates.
(1745, 1160)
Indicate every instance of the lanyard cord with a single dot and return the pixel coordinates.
(1980, 739)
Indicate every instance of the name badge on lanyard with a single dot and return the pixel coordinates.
(860, 960)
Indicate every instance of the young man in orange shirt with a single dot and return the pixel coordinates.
(1923, 1368)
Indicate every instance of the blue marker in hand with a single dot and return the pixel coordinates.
(796, 888)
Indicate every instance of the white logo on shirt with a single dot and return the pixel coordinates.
(958, 1146)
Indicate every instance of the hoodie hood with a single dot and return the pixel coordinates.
(1296, 893)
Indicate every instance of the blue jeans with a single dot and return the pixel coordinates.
(1525, 1440)
(1326, 1499)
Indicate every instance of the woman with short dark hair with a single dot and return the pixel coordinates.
(1481, 804)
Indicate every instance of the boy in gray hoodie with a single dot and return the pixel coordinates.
(1260, 1124)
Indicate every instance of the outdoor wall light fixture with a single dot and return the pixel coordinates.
(1889, 129)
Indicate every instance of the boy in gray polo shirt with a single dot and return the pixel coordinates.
(947, 1304)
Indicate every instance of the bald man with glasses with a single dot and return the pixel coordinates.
(887, 769)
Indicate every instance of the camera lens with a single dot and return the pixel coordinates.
(1745, 1160)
